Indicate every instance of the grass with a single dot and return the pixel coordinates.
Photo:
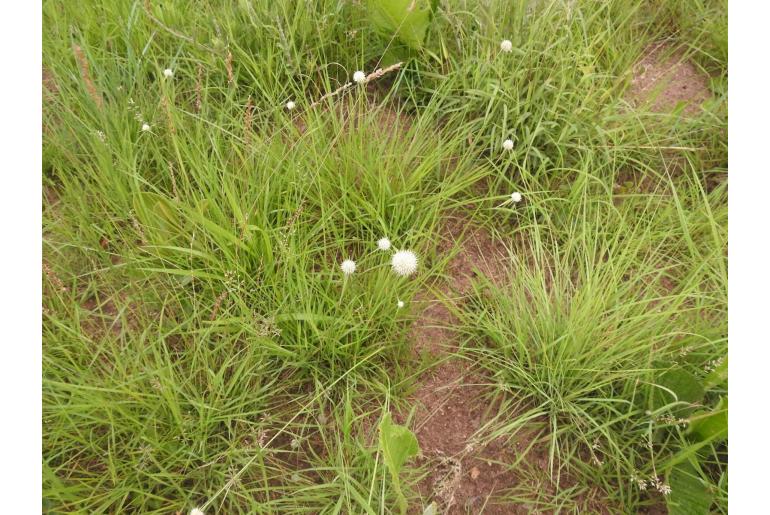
(201, 345)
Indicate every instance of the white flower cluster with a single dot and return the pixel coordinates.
(654, 482)
(403, 263)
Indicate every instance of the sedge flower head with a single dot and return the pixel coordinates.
(506, 45)
(508, 144)
(359, 77)
(404, 263)
(383, 244)
(197, 511)
(400, 304)
(348, 266)
(516, 197)
(145, 127)
(290, 105)
(168, 73)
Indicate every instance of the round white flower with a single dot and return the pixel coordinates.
(290, 105)
(348, 266)
(145, 127)
(168, 73)
(516, 196)
(197, 511)
(359, 77)
(508, 144)
(400, 304)
(404, 263)
(383, 244)
(506, 45)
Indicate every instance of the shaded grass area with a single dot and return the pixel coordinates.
(201, 345)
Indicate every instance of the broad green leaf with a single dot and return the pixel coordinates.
(397, 444)
(678, 385)
(408, 20)
(689, 495)
(717, 376)
(710, 424)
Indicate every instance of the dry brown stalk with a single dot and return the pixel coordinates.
(372, 76)
(58, 284)
(199, 89)
(248, 120)
(229, 66)
(218, 304)
(80, 57)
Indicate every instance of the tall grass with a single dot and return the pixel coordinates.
(201, 345)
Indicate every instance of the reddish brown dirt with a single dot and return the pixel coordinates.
(663, 79)
(451, 398)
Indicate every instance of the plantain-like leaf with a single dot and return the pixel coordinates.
(397, 444)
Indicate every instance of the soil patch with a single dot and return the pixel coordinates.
(452, 399)
(663, 79)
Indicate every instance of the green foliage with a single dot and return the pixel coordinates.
(709, 424)
(678, 385)
(405, 20)
(397, 444)
(689, 495)
(200, 344)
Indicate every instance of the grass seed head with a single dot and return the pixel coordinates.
(383, 244)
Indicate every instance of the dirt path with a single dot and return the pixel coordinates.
(450, 401)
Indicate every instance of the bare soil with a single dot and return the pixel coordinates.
(663, 79)
(452, 398)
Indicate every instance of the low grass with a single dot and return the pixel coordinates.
(201, 344)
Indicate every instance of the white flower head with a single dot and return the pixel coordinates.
(400, 304)
(290, 105)
(359, 77)
(516, 197)
(197, 511)
(404, 263)
(506, 45)
(168, 73)
(383, 244)
(508, 144)
(145, 127)
(348, 266)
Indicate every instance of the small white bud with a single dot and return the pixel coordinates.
(506, 45)
(168, 73)
(359, 77)
(145, 127)
(348, 266)
(400, 304)
(508, 144)
(516, 197)
(290, 105)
